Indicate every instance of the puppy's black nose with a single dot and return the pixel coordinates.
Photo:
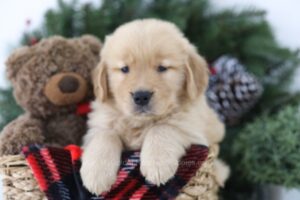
(141, 98)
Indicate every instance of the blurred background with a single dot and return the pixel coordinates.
(255, 42)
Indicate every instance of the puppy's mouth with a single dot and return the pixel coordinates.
(143, 110)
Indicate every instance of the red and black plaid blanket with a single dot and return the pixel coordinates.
(57, 173)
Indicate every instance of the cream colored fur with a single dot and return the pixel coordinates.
(179, 114)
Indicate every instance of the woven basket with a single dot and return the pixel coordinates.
(19, 183)
(18, 180)
(203, 186)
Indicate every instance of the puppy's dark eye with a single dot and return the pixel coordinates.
(125, 69)
(162, 68)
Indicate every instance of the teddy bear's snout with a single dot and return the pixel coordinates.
(66, 89)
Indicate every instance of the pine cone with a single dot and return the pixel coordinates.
(232, 90)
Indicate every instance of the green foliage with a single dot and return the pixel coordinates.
(31, 38)
(9, 109)
(268, 149)
(244, 34)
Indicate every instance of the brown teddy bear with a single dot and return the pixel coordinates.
(50, 79)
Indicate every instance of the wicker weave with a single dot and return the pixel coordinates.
(203, 186)
(19, 183)
(18, 180)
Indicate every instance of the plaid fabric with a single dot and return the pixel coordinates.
(57, 173)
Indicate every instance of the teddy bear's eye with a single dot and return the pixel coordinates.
(162, 68)
(125, 69)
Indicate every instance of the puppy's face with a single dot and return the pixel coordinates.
(148, 69)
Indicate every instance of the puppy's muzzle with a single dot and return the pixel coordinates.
(142, 98)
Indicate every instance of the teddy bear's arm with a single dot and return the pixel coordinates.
(22, 131)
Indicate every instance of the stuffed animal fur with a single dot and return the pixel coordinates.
(49, 80)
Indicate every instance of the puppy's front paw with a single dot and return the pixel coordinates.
(158, 169)
(98, 177)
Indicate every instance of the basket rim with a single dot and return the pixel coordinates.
(12, 161)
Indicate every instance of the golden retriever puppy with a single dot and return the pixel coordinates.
(150, 88)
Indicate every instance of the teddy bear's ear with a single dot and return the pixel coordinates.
(93, 43)
(16, 60)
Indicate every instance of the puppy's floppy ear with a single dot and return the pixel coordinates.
(100, 81)
(196, 74)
